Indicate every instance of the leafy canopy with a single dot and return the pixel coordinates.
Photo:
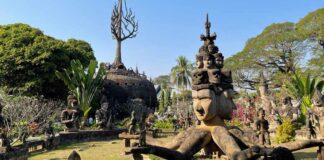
(29, 59)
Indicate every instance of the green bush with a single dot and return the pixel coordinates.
(286, 131)
(163, 125)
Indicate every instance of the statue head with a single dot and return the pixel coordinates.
(72, 101)
(261, 113)
(207, 104)
(208, 61)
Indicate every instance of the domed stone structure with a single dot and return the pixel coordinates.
(125, 84)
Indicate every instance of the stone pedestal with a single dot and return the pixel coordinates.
(3, 149)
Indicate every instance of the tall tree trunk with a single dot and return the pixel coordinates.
(118, 53)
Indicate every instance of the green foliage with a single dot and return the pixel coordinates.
(181, 73)
(279, 50)
(83, 82)
(303, 88)
(163, 125)
(285, 132)
(312, 25)
(161, 102)
(29, 60)
(163, 81)
(167, 97)
(174, 99)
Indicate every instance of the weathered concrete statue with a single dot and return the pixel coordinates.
(50, 135)
(212, 94)
(142, 138)
(74, 156)
(262, 126)
(71, 116)
(103, 117)
(132, 124)
(310, 125)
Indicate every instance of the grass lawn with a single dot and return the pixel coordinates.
(100, 150)
(104, 150)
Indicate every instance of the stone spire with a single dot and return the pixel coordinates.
(208, 39)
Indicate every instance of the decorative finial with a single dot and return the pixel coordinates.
(208, 39)
(207, 26)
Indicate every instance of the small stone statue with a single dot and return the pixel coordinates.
(132, 124)
(310, 125)
(4, 142)
(49, 134)
(142, 138)
(102, 113)
(71, 116)
(262, 126)
(74, 156)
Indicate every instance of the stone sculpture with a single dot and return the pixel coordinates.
(50, 135)
(310, 125)
(74, 156)
(132, 124)
(71, 116)
(262, 126)
(212, 105)
(103, 117)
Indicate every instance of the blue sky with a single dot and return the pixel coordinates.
(167, 28)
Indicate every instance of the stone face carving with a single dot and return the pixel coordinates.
(71, 116)
(212, 105)
(262, 126)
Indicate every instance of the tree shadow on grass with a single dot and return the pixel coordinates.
(305, 156)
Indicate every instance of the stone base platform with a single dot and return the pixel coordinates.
(89, 135)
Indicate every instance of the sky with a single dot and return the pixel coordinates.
(167, 28)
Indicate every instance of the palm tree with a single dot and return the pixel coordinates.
(303, 88)
(181, 73)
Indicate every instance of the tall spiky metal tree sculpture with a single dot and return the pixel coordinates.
(123, 26)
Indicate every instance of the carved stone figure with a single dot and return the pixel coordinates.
(132, 124)
(49, 134)
(71, 116)
(74, 156)
(262, 126)
(212, 107)
(103, 117)
(310, 125)
(142, 138)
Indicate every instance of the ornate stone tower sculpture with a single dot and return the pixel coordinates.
(123, 26)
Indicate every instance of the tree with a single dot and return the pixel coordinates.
(161, 101)
(29, 59)
(163, 81)
(167, 97)
(123, 26)
(277, 52)
(311, 27)
(21, 112)
(303, 88)
(83, 84)
(181, 73)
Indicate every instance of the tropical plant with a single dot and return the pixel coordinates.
(83, 84)
(302, 88)
(285, 131)
(181, 73)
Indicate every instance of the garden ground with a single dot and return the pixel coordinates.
(113, 150)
